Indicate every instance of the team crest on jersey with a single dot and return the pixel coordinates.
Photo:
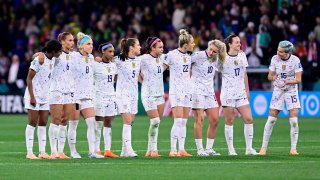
(236, 62)
(283, 67)
(109, 69)
(87, 60)
(67, 57)
(184, 59)
(157, 60)
(133, 64)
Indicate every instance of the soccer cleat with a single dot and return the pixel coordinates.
(232, 153)
(184, 154)
(98, 152)
(128, 153)
(75, 155)
(95, 155)
(251, 152)
(148, 153)
(154, 154)
(63, 156)
(32, 157)
(108, 153)
(263, 151)
(294, 153)
(54, 156)
(174, 154)
(202, 153)
(212, 152)
(43, 156)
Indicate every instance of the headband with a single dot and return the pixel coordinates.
(154, 42)
(106, 46)
(84, 39)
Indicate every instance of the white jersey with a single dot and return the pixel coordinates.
(203, 71)
(104, 74)
(152, 69)
(84, 83)
(127, 81)
(233, 72)
(41, 81)
(63, 73)
(179, 65)
(285, 70)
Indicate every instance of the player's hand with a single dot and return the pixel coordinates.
(33, 101)
(41, 58)
(98, 59)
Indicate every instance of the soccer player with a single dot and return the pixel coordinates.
(179, 62)
(105, 97)
(84, 93)
(152, 90)
(37, 98)
(128, 66)
(235, 93)
(204, 66)
(285, 71)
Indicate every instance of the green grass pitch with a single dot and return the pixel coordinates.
(276, 165)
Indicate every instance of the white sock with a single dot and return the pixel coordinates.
(175, 134)
(53, 137)
(248, 134)
(29, 138)
(210, 143)
(228, 132)
(199, 144)
(42, 138)
(268, 131)
(294, 132)
(107, 134)
(72, 135)
(182, 134)
(90, 133)
(62, 138)
(153, 134)
(126, 137)
(98, 129)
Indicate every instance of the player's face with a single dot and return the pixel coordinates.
(87, 46)
(68, 43)
(235, 45)
(281, 53)
(191, 44)
(212, 51)
(109, 53)
(136, 48)
(158, 49)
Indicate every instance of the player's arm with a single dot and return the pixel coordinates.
(165, 67)
(296, 80)
(141, 77)
(40, 56)
(246, 83)
(30, 76)
(272, 76)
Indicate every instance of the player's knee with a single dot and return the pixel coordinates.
(42, 122)
(33, 123)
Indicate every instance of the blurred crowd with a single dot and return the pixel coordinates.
(25, 25)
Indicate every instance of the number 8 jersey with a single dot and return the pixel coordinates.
(233, 71)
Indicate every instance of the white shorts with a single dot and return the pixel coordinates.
(38, 107)
(234, 102)
(127, 106)
(182, 100)
(106, 108)
(57, 97)
(291, 99)
(85, 103)
(152, 102)
(204, 102)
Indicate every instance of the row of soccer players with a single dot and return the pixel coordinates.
(75, 77)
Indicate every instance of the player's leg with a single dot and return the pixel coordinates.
(56, 111)
(107, 134)
(294, 131)
(229, 116)
(42, 133)
(272, 119)
(213, 118)
(197, 126)
(33, 117)
(67, 110)
(72, 132)
(183, 125)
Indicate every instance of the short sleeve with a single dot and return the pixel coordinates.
(35, 65)
(272, 66)
(167, 59)
(245, 60)
(298, 66)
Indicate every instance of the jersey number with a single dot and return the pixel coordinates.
(133, 73)
(294, 99)
(159, 69)
(210, 69)
(87, 69)
(67, 66)
(237, 71)
(283, 75)
(185, 68)
(109, 78)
